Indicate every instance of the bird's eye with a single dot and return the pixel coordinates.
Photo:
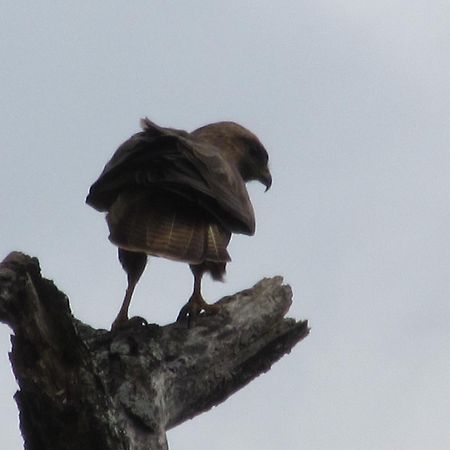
(254, 151)
(258, 153)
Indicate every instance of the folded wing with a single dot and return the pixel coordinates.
(162, 160)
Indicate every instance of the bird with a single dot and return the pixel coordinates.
(180, 195)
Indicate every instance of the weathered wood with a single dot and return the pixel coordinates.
(87, 388)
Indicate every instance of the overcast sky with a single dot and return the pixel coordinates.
(352, 101)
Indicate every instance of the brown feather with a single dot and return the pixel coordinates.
(161, 225)
(216, 244)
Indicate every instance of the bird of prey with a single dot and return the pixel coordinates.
(180, 195)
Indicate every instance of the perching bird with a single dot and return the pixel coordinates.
(180, 195)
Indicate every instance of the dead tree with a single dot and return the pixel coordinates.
(82, 388)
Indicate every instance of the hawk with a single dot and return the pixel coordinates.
(180, 195)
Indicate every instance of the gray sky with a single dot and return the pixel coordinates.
(351, 98)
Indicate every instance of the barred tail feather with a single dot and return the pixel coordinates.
(164, 226)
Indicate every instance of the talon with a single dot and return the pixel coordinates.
(196, 305)
(137, 321)
(123, 323)
(184, 313)
(194, 308)
(211, 310)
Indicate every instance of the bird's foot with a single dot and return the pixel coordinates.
(194, 308)
(124, 323)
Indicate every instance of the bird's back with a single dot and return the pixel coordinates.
(171, 196)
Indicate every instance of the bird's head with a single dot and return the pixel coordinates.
(241, 148)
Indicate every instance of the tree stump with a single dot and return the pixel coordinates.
(85, 388)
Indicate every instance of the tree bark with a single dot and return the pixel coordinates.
(83, 388)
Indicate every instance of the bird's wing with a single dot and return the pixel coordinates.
(169, 160)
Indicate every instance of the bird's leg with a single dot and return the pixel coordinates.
(134, 264)
(196, 304)
(122, 318)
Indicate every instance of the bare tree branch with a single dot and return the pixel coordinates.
(87, 388)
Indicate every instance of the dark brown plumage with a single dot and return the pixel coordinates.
(180, 195)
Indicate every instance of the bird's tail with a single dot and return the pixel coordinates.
(165, 225)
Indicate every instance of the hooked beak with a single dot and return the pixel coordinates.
(265, 178)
